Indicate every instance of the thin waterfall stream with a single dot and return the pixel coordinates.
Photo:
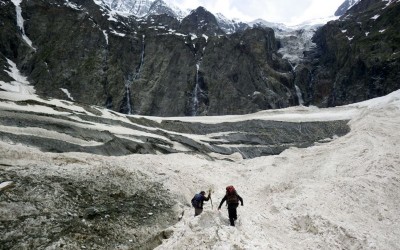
(298, 90)
(199, 101)
(196, 91)
(128, 102)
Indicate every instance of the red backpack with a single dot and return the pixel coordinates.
(231, 195)
(230, 190)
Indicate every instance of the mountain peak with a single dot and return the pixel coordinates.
(202, 12)
(201, 9)
(201, 20)
(141, 8)
(347, 4)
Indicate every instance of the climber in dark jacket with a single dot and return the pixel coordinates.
(198, 201)
(232, 200)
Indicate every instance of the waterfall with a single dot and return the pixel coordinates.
(299, 95)
(136, 75)
(293, 67)
(199, 102)
(128, 100)
(139, 68)
(298, 90)
(20, 22)
(196, 91)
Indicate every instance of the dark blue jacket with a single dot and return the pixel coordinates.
(200, 198)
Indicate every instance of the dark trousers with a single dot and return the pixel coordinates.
(232, 213)
(197, 211)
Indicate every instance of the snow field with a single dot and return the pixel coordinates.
(343, 194)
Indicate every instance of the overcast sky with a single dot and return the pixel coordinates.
(283, 11)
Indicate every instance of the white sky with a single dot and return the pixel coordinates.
(283, 11)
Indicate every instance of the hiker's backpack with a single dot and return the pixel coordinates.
(231, 195)
(196, 201)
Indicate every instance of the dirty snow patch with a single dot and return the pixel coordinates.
(117, 33)
(67, 93)
(375, 17)
(72, 5)
(20, 83)
(5, 185)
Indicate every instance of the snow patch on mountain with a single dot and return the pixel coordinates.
(389, 2)
(296, 39)
(72, 5)
(142, 8)
(20, 84)
(353, 2)
(230, 26)
(118, 33)
(67, 93)
(375, 17)
(346, 5)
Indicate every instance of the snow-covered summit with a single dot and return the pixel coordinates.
(264, 23)
(141, 8)
(230, 25)
(345, 6)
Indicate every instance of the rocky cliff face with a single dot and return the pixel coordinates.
(347, 4)
(161, 65)
(152, 66)
(356, 58)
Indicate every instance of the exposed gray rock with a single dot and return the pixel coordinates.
(357, 57)
(55, 209)
(346, 5)
(97, 59)
(160, 66)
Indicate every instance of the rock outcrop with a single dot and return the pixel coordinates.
(151, 66)
(357, 57)
(164, 66)
(346, 5)
(89, 207)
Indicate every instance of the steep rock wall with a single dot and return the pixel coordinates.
(151, 66)
(357, 57)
